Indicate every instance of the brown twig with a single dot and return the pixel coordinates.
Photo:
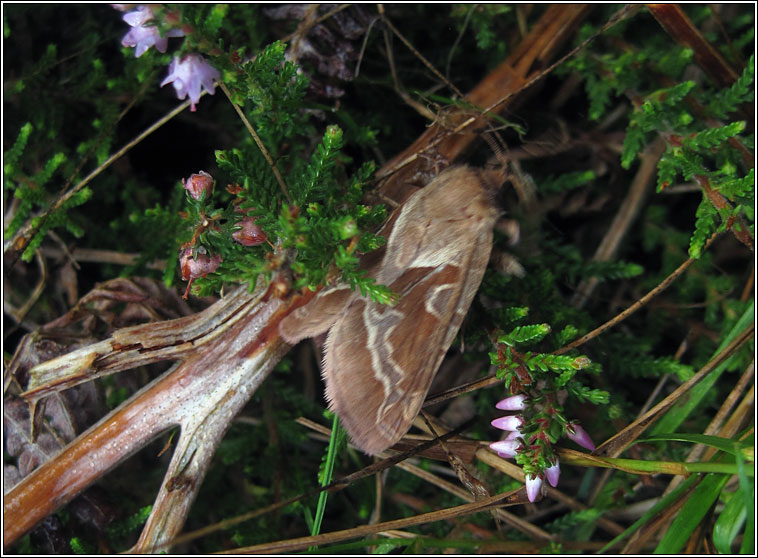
(615, 445)
(19, 315)
(25, 234)
(316, 21)
(415, 52)
(100, 256)
(258, 142)
(663, 285)
(292, 545)
(626, 214)
(207, 389)
(676, 23)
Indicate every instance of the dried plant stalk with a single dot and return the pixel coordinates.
(201, 395)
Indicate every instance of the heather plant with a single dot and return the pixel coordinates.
(619, 322)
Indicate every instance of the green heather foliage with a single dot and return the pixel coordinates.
(74, 96)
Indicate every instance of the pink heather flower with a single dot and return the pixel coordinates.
(578, 435)
(190, 74)
(513, 403)
(506, 448)
(250, 234)
(513, 435)
(143, 36)
(533, 487)
(511, 423)
(200, 266)
(199, 185)
(552, 474)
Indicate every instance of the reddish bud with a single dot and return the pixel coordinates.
(250, 234)
(199, 185)
(200, 266)
(172, 17)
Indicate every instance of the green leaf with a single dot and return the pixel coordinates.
(13, 154)
(728, 525)
(747, 490)
(679, 412)
(705, 225)
(668, 500)
(326, 471)
(724, 444)
(692, 514)
(525, 334)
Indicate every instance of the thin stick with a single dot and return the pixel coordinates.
(418, 55)
(617, 17)
(19, 315)
(663, 285)
(91, 176)
(624, 217)
(258, 142)
(418, 107)
(324, 17)
(290, 545)
(363, 47)
(458, 40)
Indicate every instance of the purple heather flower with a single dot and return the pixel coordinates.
(552, 474)
(533, 487)
(143, 36)
(513, 403)
(506, 448)
(189, 74)
(512, 422)
(513, 435)
(578, 435)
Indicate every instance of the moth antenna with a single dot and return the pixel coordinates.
(326, 369)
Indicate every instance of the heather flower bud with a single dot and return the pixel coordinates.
(512, 422)
(552, 474)
(200, 266)
(505, 448)
(578, 435)
(533, 487)
(250, 234)
(513, 403)
(199, 185)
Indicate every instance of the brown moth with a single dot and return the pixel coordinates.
(379, 360)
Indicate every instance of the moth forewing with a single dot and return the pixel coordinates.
(318, 315)
(380, 361)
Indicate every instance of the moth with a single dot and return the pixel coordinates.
(379, 361)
